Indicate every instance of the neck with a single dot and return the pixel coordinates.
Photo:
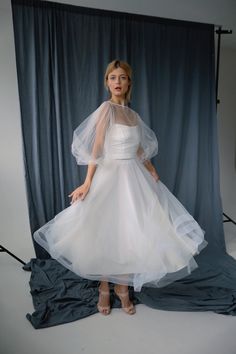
(121, 101)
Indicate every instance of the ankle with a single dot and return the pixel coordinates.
(121, 288)
(104, 286)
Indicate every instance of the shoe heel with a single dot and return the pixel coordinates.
(130, 310)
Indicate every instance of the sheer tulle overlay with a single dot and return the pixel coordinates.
(129, 229)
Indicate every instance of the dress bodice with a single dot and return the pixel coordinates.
(122, 142)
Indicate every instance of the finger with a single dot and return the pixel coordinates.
(71, 195)
(84, 195)
(74, 192)
(75, 196)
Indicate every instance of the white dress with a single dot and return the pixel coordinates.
(129, 229)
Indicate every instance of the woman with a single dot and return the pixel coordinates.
(123, 226)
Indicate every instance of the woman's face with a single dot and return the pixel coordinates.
(118, 82)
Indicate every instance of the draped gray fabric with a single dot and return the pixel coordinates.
(62, 52)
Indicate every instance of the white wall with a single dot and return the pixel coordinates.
(15, 231)
(227, 129)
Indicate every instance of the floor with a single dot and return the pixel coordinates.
(148, 331)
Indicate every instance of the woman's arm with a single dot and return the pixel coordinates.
(90, 173)
(147, 163)
(81, 191)
(149, 166)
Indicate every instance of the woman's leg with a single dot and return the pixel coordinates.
(104, 285)
(123, 293)
(104, 298)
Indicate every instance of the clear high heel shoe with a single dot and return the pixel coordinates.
(130, 310)
(105, 310)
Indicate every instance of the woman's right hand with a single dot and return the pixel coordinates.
(80, 192)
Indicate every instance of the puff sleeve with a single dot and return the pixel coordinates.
(89, 136)
(148, 146)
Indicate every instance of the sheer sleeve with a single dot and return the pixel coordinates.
(148, 146)
(89, 136)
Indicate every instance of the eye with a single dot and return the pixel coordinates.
(122, 77)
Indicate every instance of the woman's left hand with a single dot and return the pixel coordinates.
(155, 174)
(149, 166)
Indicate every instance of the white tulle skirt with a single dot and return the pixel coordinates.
(129, 229)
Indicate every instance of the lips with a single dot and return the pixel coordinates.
(118, 88)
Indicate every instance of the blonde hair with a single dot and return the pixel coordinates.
(123, 65)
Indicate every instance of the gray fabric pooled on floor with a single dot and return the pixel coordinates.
(60, 296)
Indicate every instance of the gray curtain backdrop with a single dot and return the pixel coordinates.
(62, 52)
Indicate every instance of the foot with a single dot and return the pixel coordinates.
(103, 304)
(126, 304)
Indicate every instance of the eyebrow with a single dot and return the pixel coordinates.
(118, 75)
